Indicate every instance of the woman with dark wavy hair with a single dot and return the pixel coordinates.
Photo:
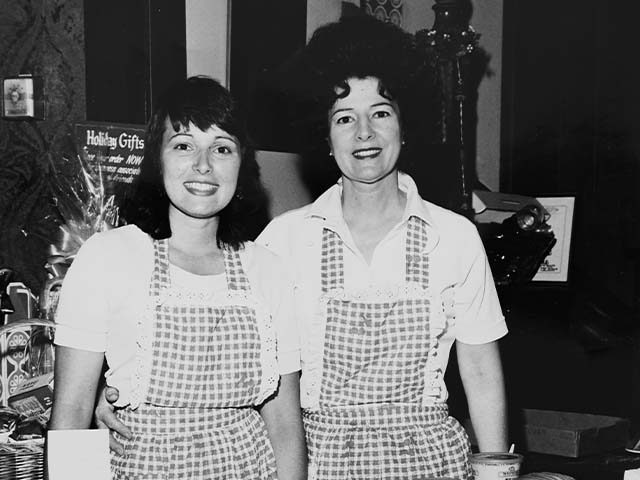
(148, 204)
(194, 320)
(386, 282)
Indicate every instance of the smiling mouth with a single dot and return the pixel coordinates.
(200, 188)
(367, 153)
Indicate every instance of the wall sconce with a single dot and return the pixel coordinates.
(22, 98)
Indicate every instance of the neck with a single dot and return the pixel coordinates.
(193, 236)
(363, 202)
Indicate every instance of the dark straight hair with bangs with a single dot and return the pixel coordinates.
(204, 102)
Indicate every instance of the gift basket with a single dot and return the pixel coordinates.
(84, 206)
(24, 419)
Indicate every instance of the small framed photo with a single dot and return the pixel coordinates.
(555, 267)
(22, 98)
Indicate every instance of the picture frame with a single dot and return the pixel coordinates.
(22, 98)
(555, 266)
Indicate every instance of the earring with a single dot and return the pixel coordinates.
(331, 154)
(403, 142)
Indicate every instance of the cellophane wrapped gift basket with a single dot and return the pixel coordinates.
(26, 344)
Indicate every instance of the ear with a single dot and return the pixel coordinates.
(330, 146)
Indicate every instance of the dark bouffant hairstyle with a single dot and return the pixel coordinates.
(203, 102)
(361, 46)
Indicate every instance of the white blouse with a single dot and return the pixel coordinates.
(460, 279)
(106, 291)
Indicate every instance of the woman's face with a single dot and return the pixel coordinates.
(199, 169)
(365, 136)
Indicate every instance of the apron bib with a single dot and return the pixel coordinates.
(197, 420)
(371, 423)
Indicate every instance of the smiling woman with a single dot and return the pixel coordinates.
(192, 110)
(193, 319)
(364, 131)
(199, 170)
(386, 282)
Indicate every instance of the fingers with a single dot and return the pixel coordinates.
(115, 446)
(106, 418)
(111, 394)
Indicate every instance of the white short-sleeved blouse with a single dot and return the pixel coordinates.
(106, 290)
(458, 272)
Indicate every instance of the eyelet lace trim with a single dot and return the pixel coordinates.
(441, 314)
(181, 297)
(142, 371)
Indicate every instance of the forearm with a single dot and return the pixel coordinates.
(482, 377)
(290, 450)
(283, 419)
(488, 411)
(75, 382)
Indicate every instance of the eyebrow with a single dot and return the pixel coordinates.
(186, 133)
(180, 134)
(231, 138)
(379, 104)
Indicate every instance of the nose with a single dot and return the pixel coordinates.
(202, 163)
(365, 132)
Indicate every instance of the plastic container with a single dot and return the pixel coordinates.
(495, 465)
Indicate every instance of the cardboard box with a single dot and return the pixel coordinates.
(33, 396)
(497, 207)
(571, 434)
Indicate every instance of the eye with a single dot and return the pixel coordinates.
(381, 114)
(184, 147)
(222, 149)
(344, 119)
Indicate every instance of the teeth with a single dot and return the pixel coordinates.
(366, 153)
(202, 187)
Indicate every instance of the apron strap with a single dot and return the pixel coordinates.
(331, 271)
(235, 275)
(417, 267)
(236, 278)
(160, 279)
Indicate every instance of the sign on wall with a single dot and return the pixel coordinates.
(114, 151)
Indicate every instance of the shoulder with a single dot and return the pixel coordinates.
(254, 255)
(288, 229)
(458, 244)
(448, 221)
(267, 272)
(452, 227)
(290, 219)
(123, 245)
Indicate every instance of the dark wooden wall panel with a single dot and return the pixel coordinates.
(569, 125)
(135, 49)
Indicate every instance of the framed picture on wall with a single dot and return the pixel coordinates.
(555, 267)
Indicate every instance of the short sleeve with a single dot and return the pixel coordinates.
(275, 285)
(478, 314)
(81, 316)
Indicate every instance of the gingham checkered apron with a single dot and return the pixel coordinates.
(198, 420)
(371, 423)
